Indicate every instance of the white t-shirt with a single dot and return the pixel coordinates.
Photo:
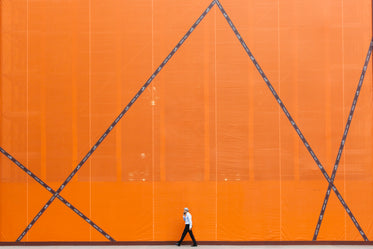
(188, 219)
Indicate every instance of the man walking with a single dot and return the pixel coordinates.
(188, 227)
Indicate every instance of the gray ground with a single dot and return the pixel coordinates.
(188, 246)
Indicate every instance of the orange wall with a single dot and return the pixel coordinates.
(206, 134)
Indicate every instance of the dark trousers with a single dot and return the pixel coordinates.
(186, 229)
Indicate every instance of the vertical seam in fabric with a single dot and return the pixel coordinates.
(27, 110)
(216, 139)
(153, 134)
(343, 111)
(279, 109)
(90, 109)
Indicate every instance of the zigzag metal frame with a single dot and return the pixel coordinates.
(68, 204)
(280, 102)
(68, 179)
(343, 141)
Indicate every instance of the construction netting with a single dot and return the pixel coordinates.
(117, 114)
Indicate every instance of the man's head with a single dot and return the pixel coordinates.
(186, 210)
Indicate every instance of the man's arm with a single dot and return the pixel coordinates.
(190, 221)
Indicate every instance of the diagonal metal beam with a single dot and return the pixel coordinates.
(343, 141)
(68, 204)
(72, 174)
(295, 126)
